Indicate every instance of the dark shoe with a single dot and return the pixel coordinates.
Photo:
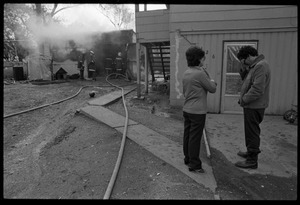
(243, 154)
(247, 164)
(200, 170)
(186, 161)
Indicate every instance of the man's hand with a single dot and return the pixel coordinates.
(212, 80)
(241, 102)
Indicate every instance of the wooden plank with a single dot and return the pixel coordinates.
(169, 151)
(153, 27)
(110, 97)
(161, 53)
(106, 116)
(159, 64)
(154, 36)
(159, 19)
(159, 145)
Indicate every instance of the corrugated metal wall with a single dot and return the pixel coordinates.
(279, 48)
(232, 17)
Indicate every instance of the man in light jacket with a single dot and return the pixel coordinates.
(254, 99)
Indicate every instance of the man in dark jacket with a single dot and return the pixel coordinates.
(254, 99)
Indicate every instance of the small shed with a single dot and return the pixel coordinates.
(16, 70)
(61, 74)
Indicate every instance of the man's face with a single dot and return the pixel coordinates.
(202, 61)
(246, 61)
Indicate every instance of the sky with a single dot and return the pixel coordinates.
(89, 16)
(77, 24)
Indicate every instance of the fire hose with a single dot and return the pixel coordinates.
(46, 105)
(121, 151)
(119, 159)
(42, 106)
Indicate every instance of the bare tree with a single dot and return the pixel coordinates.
(118, 14)
(54, 11)
(17, 33)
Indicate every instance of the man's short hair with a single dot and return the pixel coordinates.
(193, 55)
(245, 51)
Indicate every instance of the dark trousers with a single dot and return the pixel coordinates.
(94, 75)
(193, 130)
(252, 119)
(81, 74)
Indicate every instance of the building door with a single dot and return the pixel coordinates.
(18, 73)
(231, 80)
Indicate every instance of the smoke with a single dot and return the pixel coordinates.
(83, 23)
(59, 34)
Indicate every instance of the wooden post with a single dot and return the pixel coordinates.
(138, 70)
(136, 8)
(146, 71)
(206, 144)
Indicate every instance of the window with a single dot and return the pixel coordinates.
(152, 7)
(233, 82)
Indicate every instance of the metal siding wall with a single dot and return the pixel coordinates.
(209, 49)
(265, 48)
(290, 65)
(209, 43)
(285, 86)
(152, 26)
(294, 64)
(281, 71)
(222, 17)
(280, 51)
(274, 54)
(181, 8)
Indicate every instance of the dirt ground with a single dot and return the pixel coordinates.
(57, 153)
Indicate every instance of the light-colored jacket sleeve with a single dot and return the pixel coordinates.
(206, 83)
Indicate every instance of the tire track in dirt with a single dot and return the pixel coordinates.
(53, 119)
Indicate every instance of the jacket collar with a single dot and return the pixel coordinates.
(259, 58)
(197, 67)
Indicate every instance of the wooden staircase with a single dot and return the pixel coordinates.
(159, 60)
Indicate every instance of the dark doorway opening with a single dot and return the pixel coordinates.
(18, 73)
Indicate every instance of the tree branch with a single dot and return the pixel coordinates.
(67, 7)
(53, 10)
(107, 15)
